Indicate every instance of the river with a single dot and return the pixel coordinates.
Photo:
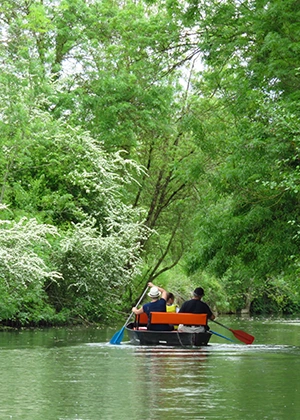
(74, 373)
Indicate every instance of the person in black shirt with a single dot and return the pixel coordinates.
(195, 306)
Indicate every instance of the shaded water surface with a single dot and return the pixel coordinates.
(66, 374)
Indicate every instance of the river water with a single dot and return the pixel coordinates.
(68, 374)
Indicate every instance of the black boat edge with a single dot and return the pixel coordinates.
(174, 338)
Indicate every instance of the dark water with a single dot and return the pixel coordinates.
(68, 374)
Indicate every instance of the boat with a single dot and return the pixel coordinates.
(139, 334)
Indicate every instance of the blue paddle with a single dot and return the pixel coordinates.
(118, 336)
(223, 336)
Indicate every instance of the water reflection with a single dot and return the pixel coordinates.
(174, 378)
(200, 383)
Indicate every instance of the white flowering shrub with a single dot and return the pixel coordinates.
(23, 270)
(97, 268)
(63, 176)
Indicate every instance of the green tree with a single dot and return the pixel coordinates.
(247, 227)
(111, 64)
(60, 175)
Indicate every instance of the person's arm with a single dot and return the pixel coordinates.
(210, 315)
(137, 311)
(164, 294)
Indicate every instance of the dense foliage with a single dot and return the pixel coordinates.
(135, 136)
(248, 229)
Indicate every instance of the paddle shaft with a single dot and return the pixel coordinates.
(139, 301)
(118, 336)
(222, 336)
(219, 323)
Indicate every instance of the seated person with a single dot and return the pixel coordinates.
(171, 306)
(195, 306)
(157, 304)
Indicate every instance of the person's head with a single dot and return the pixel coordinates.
(170, 298)
(154, 293)
(198, 293)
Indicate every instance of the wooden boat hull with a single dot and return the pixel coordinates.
(146, 337)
